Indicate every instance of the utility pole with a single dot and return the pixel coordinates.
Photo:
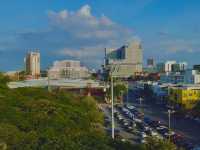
(140, 102)
(169, 122)
(112, 103)
(127, 96)
(49, 87)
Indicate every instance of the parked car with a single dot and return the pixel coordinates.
(143, 135)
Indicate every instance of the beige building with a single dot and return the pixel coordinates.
(32, 63)
(125, 61)
(69, 69)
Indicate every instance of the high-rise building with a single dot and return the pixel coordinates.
(69, 69)
(32, 63)
(168, 65)
(125, 61)
(160, 67)
(171, 66)
(178, 67)
(150, 62)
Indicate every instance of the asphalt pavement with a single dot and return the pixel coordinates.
(184, 126)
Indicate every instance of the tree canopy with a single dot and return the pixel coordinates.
(34, 119)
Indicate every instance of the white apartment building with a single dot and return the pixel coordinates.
(168, 65)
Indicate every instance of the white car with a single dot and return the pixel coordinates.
(137, 120)
(169, 134)
(131, 107)
(125, 110)
(143, 141)
(159, 137)
(143, 135)
(161, 127)
(197, 120)
(123, 140)
(126, 123)
(153, 133)
(146, 128)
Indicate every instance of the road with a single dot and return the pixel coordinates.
(132, 138)
(186, 127)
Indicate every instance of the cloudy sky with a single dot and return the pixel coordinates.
(81, 29)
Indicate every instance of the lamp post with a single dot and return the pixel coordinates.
(127, 96)
(140, 99)
(112, 103)
(169, 122)
(48, 82)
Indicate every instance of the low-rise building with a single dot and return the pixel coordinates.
(185, 96)
(68, 69)
(192, 76)
(174, 78)
(188, 76)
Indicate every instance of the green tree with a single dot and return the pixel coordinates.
(158, 144)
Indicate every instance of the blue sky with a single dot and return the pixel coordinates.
(80, 29)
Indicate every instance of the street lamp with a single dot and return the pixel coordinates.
(48, 80)
(169, 121)
(112, 102)
(140, 99)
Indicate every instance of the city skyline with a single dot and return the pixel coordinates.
(82, 29)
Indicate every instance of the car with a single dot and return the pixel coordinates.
(123, 140)
(129, 128)
(124, 110)
(197, 119)
(147, 120)
(146, 128)
(143, 134)
(159, 137)
(176, 138)
(155, 124)
(130, 107)
(126, 123)
(161, 127)
(137, 120)
(153, 133)
(171, 133)
(163, 131)
(120, 118)
(142, 141)
(133, 124)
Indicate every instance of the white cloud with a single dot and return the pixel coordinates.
(80, 34)
(82, 24)
(75, 34)
(85, 11)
